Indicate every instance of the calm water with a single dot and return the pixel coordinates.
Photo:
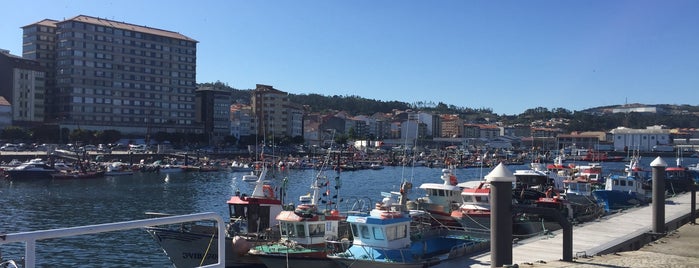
(49, 204)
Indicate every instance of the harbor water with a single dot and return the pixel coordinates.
(49, 204)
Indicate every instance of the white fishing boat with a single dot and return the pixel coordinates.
(252, 222)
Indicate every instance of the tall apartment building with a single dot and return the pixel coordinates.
(452, 126)
(22, 83)
(214, 110)
(115, 75)
(276, 115)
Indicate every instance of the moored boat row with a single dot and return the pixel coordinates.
(454, 218)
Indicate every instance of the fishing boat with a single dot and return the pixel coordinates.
(118, 169)
(32, 169)
(591, 172)
(474, 212)
(306, 230)
(679, 178)
(537, 188)
(252, 222)
(624, 191)
(392, 236)
(441, 198)
(240, 167)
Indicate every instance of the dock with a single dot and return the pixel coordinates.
(623, 231)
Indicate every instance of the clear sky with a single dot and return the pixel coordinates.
(506, 55)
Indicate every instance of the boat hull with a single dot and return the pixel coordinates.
(187, 249)
(617, 200)
(434, 251)
(29, 175)
(283, 261)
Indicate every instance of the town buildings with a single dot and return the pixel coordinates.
(97, 74)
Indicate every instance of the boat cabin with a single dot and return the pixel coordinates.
(253, 214)
(591, 172)
(624, 184)
(439, 197)
(479, 194)
(576, 187)
(314, 230)
(383, 229)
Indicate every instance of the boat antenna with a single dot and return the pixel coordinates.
(320, 178)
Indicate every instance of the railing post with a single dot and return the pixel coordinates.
(29, 253)
(693, 213)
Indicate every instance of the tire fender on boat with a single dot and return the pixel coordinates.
(240, 246)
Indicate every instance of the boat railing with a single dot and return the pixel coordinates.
(30, 238)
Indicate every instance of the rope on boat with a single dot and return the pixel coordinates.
(207, 250)
(8, 264)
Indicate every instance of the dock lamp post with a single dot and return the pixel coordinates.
(658, 198)
(500, 180)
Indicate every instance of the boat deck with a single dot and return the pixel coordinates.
(626, 230)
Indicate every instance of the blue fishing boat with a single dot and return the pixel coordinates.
(624, 191)
(392, 236)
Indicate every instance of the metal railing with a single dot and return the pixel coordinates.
(30, 238)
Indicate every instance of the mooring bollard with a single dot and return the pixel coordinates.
(693, 213)
(658, 176)
(500, 180)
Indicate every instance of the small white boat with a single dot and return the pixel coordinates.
(170, 169)
(240, 167)
(250, 177)
(118, 169)
(376, 166)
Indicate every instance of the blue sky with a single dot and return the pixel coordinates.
(505, 55)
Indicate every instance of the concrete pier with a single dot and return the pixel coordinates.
(624, 231)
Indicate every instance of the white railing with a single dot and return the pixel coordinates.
(30, 238)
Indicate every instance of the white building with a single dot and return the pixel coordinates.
(639, 139)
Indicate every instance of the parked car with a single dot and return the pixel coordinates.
(101, 148)
(89, 147)
(9, 147)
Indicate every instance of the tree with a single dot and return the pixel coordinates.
(45, 134)
(81, 135)
(108, 136)
(230, 139)
(14, 133)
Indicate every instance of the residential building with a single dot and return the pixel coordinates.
(452, 126)
(383, 125)
(311, 129)
(22, 84)
(471, 131)
(433, 124)
(243, 125)
(213, 110)
(539, 132)
(488, 132)
(636, 109)
(277, 115)
(115, 75)
(579, 140)
(412, 128)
